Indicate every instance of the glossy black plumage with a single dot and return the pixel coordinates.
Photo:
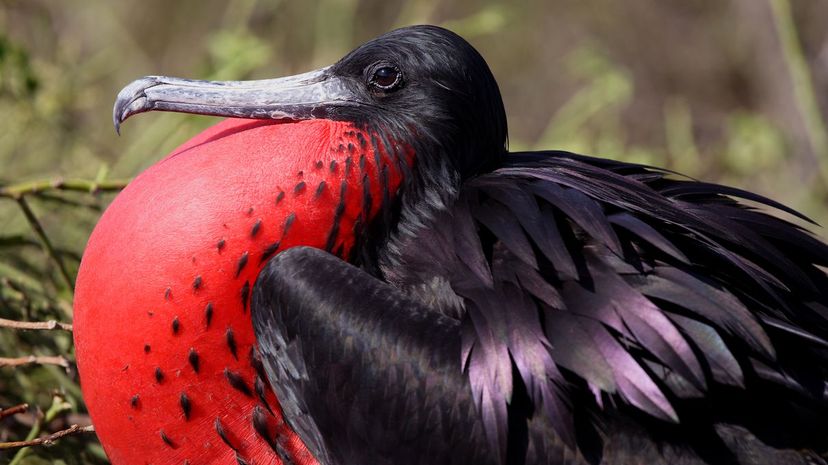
(593, 311)
(654, 308)
(673, 303)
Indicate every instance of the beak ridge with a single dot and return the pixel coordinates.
(303, 96)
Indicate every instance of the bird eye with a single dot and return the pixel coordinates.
(386, 78)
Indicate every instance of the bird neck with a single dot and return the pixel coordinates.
(431, 186)
(433, 157)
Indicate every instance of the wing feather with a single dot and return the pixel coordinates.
(628, 283)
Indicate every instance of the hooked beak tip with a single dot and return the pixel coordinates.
(116, 121)
(131, 100)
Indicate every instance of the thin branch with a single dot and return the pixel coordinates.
(89, 202)
(805, 94)
(47, 325)
(17, 191)
(50, 439)
(47, 244)
(59, 405)
(58, 360)
(13, 410)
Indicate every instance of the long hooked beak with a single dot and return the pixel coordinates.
(303, 96)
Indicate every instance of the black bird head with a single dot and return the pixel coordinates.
(430, 83)
(423, 86)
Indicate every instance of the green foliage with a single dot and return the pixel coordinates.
(16, 76)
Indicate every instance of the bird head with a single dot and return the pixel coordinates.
(163, 336)
(422, 86)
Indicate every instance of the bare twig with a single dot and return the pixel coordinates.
(17, 191)
(84, 201)
(50, 439)
(59, 405)
(47, 325)
(47, 244)
(803, 88)
(13, 410)
(58, 360)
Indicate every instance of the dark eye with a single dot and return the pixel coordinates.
(386, 78)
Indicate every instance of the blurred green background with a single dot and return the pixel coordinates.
(731, 91)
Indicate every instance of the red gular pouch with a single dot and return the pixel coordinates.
(163, 335)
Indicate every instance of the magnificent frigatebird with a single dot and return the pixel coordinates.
(427, 297)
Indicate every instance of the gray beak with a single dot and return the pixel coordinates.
(303, 96)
